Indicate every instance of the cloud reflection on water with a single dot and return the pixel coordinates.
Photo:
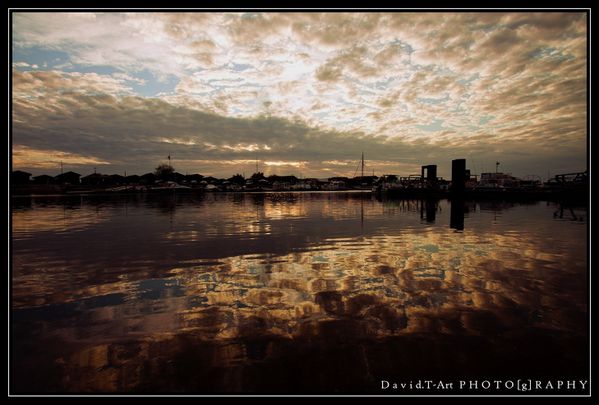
(256, 277)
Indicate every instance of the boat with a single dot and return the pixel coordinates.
(167, 187)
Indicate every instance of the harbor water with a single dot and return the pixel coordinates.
(297, 293)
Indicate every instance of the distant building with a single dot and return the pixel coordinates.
(194, 178)
(20, 177)
(178, 177)
(335, 185)
(305, 184)
(43, 179)
(530, 184)
(68, 178)
(212, 180)
(115, 180)
(229, 186)
(148, 178)
(497, 180)
(282, 179)
(133, 179)
(443, 184)
(362, 181)
(281, 186)
(94, 179)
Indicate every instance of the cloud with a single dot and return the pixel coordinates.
(312, 87)
(50, 159)
(285, 163)
(135, 134)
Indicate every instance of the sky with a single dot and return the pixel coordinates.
(299, 93)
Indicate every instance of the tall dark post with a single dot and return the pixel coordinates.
(429, 172)
(431, 175)
(456, 220)
(458, 176)
(431, 210)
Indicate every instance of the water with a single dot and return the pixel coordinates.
(292, 293)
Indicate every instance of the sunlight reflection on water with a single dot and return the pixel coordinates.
(101, 282)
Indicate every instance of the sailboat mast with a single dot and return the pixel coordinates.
(362, 164)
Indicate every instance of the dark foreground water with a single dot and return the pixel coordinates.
(293, 293)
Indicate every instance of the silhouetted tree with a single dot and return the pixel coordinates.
(257, 176)
(164, 171)
(237, 179)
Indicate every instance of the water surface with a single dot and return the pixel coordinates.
(292, 293)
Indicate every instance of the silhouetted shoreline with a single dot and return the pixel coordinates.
(578, 196)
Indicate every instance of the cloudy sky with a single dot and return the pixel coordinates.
(299, 93)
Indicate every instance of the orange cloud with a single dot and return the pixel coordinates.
(24, 156)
